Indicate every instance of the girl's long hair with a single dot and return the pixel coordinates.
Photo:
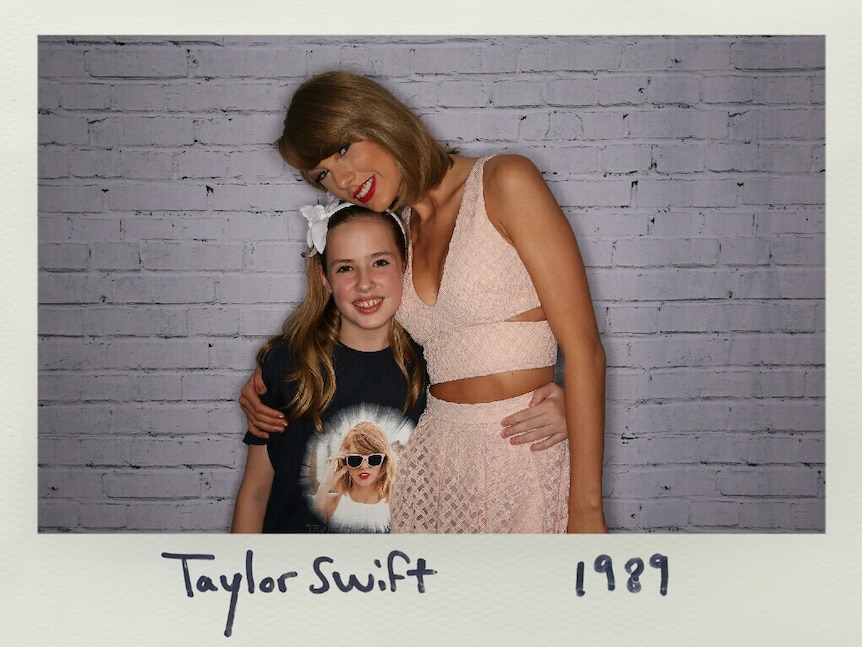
(312, 331)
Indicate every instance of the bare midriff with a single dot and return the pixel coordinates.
(489, 388)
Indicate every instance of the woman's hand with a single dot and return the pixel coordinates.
(543, 423)
(261, 418)
(331, 475)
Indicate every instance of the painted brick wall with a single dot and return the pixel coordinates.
(692, 171)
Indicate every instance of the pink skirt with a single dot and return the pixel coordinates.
(457, 475)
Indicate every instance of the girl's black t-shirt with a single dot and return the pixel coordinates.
(368, 384)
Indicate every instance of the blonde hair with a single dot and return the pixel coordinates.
(334, 109)
(368, 438)
(312, 332)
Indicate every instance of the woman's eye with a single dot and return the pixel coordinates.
(343, 149)
(321, 176)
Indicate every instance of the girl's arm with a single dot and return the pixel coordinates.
(521, 205)
(543, 423)
(253, 494)
(262, 420)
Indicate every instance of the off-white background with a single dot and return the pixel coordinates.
(743, 589)
(692, 170)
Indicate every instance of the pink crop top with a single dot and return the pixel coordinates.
(465, 333)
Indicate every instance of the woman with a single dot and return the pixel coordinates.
(356, 486)
(496, 217)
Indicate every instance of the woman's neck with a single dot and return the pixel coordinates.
(448, 190)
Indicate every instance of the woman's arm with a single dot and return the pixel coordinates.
(324, 502)
(261, 418)
(253, 494)
(521, 205)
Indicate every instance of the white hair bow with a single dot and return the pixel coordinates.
(318, 222)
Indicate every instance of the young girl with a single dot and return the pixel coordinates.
(339, 352)
(357, 483)
(494, 283)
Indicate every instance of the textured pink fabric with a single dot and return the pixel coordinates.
(465, 333)
(457, 475)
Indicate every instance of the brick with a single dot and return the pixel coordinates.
(778, 123)
(679, 158)
(577, 91)
(711, 223)
(744, 250)
(143, 131)
(716, 514)
(647, 252)
(59, 61)
(58, 515)
(602, 125)
(146, 165)
(783, 283)
(762, 481)
(631, 319)
(64, 130)
(73, 288)
(789, 449)
(677, 53)
(153, 289)
(782, 89)
(805, 190)
(180, 226)
(791, 220)
(621, 89)
(85, 96)
(63, 256)
(198, 163)
(53, 162)
(741, 317)
(157, 196)
(265, 322)
(192, 256)
(625, 158)
(137, 62)
(459, 125)
(469, 57)
(728, 89)
(60, 321)
(675, 89)
(56, 483)
(802, 52)
(139, 97)
(212, 320)
(571, 55)
(105, 517)
(177, 452)
(661, 482)
(98, 163)
(251, 164)
(687, 193)
(768, 348)
(677, 123)
(798, 250)
(79, 451)
(609, 193)
(247, 197)
(239, 130)
(249, 62)
(115, 256)
(135, 320)
(647, 514)
(153, 484)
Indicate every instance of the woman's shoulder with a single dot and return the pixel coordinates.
(503, 169)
